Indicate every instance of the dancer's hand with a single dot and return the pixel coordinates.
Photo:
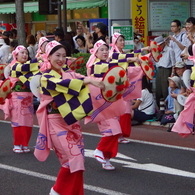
(134, 59)
(148, 48)
(95, 82)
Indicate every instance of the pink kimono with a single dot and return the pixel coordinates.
(66, 140)
(185, 123)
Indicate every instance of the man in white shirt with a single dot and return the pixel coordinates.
(177, 40)
(165, 69)
(4, 51)
(189, 39)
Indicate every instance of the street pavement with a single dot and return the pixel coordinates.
(155, 162)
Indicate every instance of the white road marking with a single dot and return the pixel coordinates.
(147, 167)
(160, 169)
(52, 178)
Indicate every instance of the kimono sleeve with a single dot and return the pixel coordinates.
(67, 86)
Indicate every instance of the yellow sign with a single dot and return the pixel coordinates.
(139, 17)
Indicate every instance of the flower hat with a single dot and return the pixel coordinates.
(156, 51)
(147, 65)
(5, 90)
(116, 82)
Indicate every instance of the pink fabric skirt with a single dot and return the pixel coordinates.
(22, 111)
(110, 127)
(67, 142)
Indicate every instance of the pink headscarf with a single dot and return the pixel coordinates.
(15, 52)
(41, 41)
(46, 64)
(115, 36)
(193, 51)
(93, 51)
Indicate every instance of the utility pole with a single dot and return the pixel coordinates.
(20, 22)
(59, 14)
(65, 16)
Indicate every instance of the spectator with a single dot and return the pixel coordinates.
(39, 34)
(7, 41)
(14, 33)
(30, 40)
(177, 39)
(180, 67)
(79, 32)
(6, 34)
(138, 44)
(81, 44)
(13, 45)
(172, 105)
(173, 89)
(144, 108)
(189, 39)
(69, 38)
(4, 51)
(59, 36)
(165, 69)
(101, 32)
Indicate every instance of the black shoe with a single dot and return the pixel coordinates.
(159, 115)
(133, 122)
(170, 128)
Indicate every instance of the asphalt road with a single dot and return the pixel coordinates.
(147, 166)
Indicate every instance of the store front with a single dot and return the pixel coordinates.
(76, 11)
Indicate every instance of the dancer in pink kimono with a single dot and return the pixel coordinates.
(118, 44)
(110, 129)
(184, 124)
(21, 101)
(41, 46)
(64, 100)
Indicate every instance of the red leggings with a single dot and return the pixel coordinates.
(69, 183)
(109, 146)
(125, 122)
(22, 135)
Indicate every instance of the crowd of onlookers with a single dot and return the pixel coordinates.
(172, 84)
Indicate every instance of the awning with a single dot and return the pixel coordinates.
(10, 8)
(83, 4)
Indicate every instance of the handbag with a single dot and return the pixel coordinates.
(167, 118)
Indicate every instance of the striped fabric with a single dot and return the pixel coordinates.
(24, 72)
(71, 97)
(99, 68)
(120, 57)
